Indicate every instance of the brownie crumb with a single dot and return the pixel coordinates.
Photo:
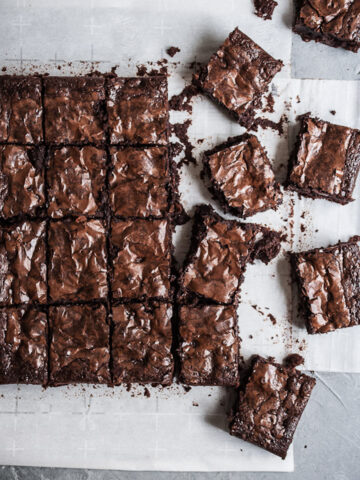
(141, 70)
(3, 69)
(298, 99)
(175, 148)
(265, 8)
(266, 123)
(269, 107)
(272, 318)
(294, 360)
(128, 387)
(147, 393)
(172, 51)
(181, 131)
(333, 112)
(195, 404)
(302, 228)
(182, 101)
(186, 388)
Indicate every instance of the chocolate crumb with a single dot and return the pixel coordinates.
(294, 360)
(175, 148)
(302, 228)
(147, 393)
(186, 388)
(269, 107)
(298, 99)
(333, 112)
(195, 404)
(3, 69)
(172, 51)
(141, 70)
(182, 101)
(128, 387)
(181, 131)
(250, 336)
(266, 123)
(272, 318)
(265, 8)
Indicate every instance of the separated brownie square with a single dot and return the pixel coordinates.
(329, 280)
(326, 161)
(270, 404)
(20, 109)
(219, 251)
(209, 345)
(334, 23)
(139, 182)
(237, 76)
(21, 180)
(76, 181)
(77, 260)
(23, 267)
(79, 350)
(141, 259)
(23, 345)
(241, 176)
(74, 110)
(138, 110)
(141, 343)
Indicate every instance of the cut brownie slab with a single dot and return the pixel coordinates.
(20, 109)
(23, 345)
(79, 350)
(329, 280)
(209, 345)
(326, 160)
(138, 110)
(77, 260)
(141, 343)
(334, 23)
(237, 75)
(219, 252)
(76, 181)
(270, 405)
(241, 176)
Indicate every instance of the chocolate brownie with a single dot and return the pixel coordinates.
(74, 110)
(76, 181)
(138, 110)
(79, 349)
(209, 345)
(20, 109)
(270, 404)
(141, 259)
(241, 176)
(141, 343)
(326, 160)
(21, 180)
(334, 23)
(23, 266)
(329, 280)
(23, 345)
(265, 8)
(77, 260)
(237, 76)
(220, 249)
(139, 182)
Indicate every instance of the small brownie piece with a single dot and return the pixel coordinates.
(241, 176)
(23, 345)
(138, 110)
(20, 109)
(21, 180)
(23, 266)
(76, 180)
(334, 23)
(265, 8)
(209, 345)
(219, 251)
(79, 350)
(141, 259)
(74, 110)
(326, 161)
(141, 343)
(237, 75)
(77, 260)
(270, 405)
(329, 280)
(139, 182)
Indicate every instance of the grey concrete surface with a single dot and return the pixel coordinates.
(327, 444)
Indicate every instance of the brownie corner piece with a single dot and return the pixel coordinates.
(270, 404)
(241, 176)
(237, 75)
(326, 160)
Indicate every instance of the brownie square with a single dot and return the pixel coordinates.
(77, 260)
(23, 266)
(20, 109)
(219, 251)
(270, 404)
(141, 259)
(237, 75)
(79, 350)
(209, 345)
(23, 345)
(139, 182)
(21, 180)
(138, 110)
(76, 181)
(334, 23)
(241, 177)
(326, 161)
(74, 110)
(141, 343)
(329, 280)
